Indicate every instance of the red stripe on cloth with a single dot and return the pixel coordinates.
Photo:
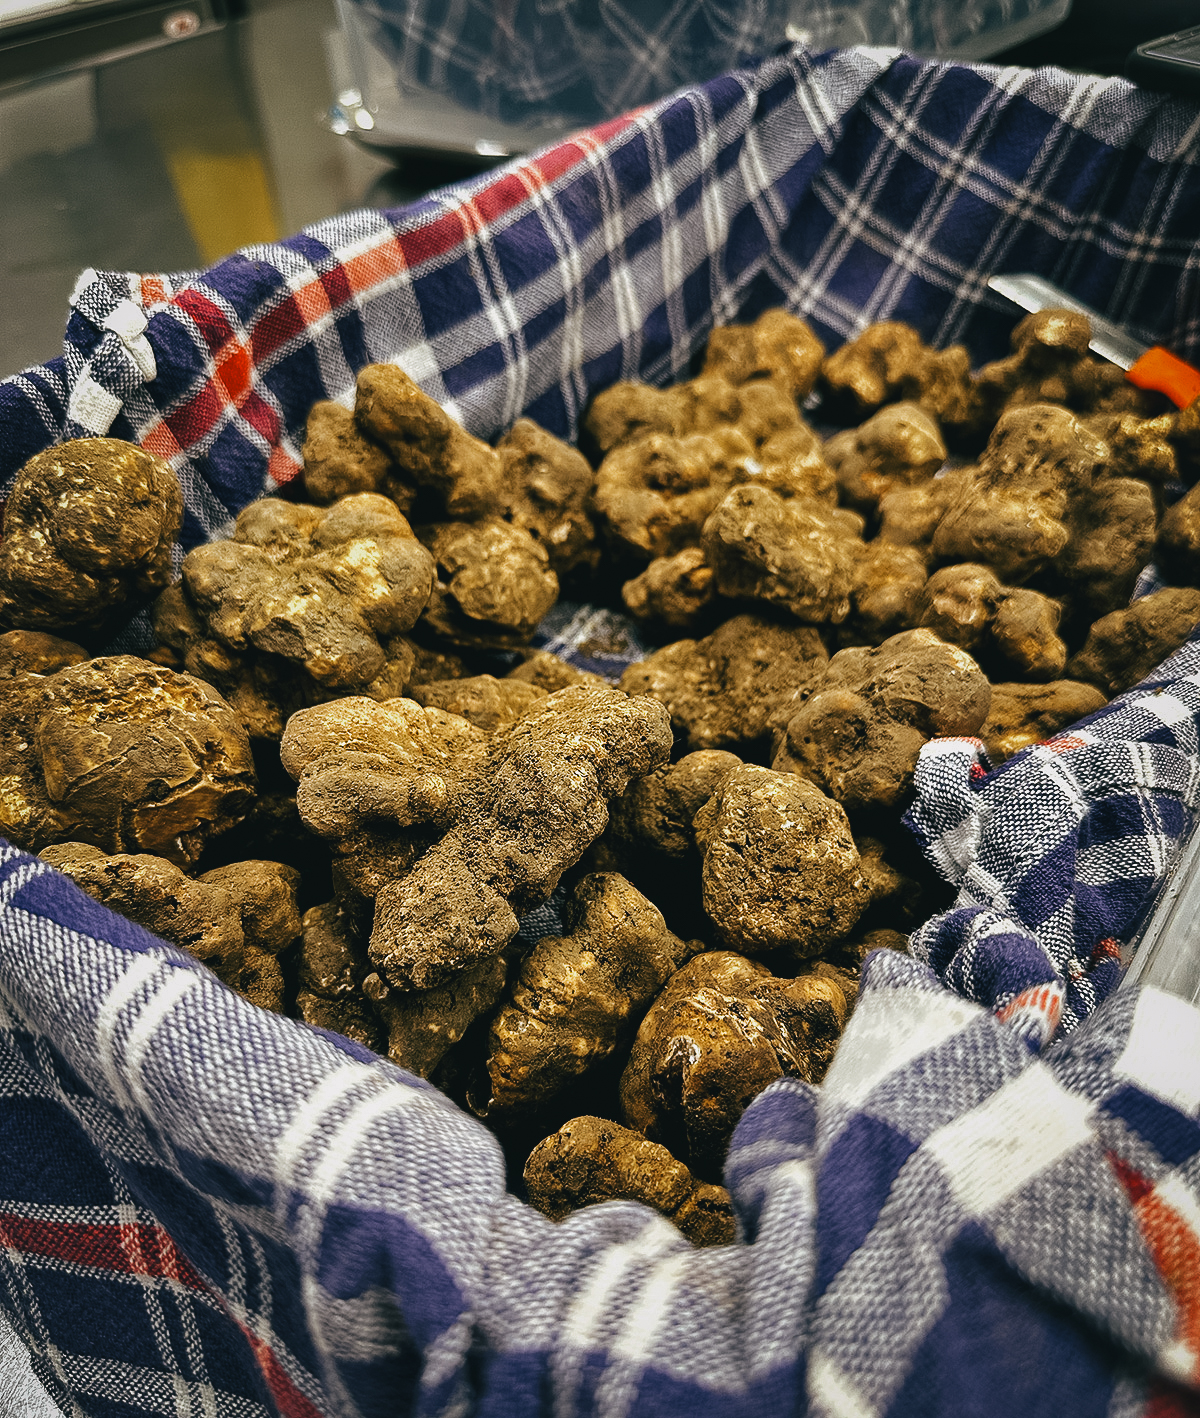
(433, 240)
(161, 440)
(154, 291)
(235, 372)
(337, 287)
(276, 328)
(288, 1398)
(131, 1249)
(1175, 1247)
(261, 417)
(375, 265)
(500, 197)
(282, 468)
(209, 318)
(191, 421)
(1165, 1402)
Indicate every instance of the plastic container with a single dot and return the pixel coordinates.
(483, 83)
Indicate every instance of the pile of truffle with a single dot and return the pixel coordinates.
(344, 780)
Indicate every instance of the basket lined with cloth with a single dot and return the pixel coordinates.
(208, 1209)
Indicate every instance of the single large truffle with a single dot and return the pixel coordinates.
(327, 590)
(722, 1029)
(899, 446)
(88, 530)
(1011, 513)
(781, 870)
(589, 1160)
(495, 582)
(538, 800)
(428, 446)
(123, 755)
(798, 553)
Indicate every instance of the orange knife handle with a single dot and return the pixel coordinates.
(1160, 369)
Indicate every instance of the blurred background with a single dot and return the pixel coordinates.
(148, 136)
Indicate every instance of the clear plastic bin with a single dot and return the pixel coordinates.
(488, 79)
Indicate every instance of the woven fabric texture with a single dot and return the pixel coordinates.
(209, 1210)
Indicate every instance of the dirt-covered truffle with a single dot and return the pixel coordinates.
(550, 672)
(889, 362)
(1112, 538)
(88, 531)
(328, 590)
(725, 689)
(1022, 714)
(429, 447)
(547, 488)
(1124, 646)
(1011, 512)
(236, 920)
(33, 652)
(673, 590)
(123, 755)
(1050, 363)
(653, 495)
(339, 460)
(861, 726)
(482, 700)
(1015, 629)
(579, 997)
(538, 800)
(778, 346)
(798, 554)
(379, 782)
(590, 1159)
(885, 593)
(720, 1031)
(899, 446)
(781, 870)
(495, 582)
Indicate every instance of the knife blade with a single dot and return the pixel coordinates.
(1147, 366)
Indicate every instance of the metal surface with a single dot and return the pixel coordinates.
(1109, 341)
(1167, 951)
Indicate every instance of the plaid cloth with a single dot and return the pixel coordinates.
(209, 1210)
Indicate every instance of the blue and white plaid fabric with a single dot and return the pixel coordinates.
(209, 1210)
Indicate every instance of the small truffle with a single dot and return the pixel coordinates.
(428, 446)
(589, 1160)
(721, 1030)
(88, 531)
(798, 554)
(781, 870)
(1023, 714)
(966, 605)
(495, 580)
(1124, 646)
